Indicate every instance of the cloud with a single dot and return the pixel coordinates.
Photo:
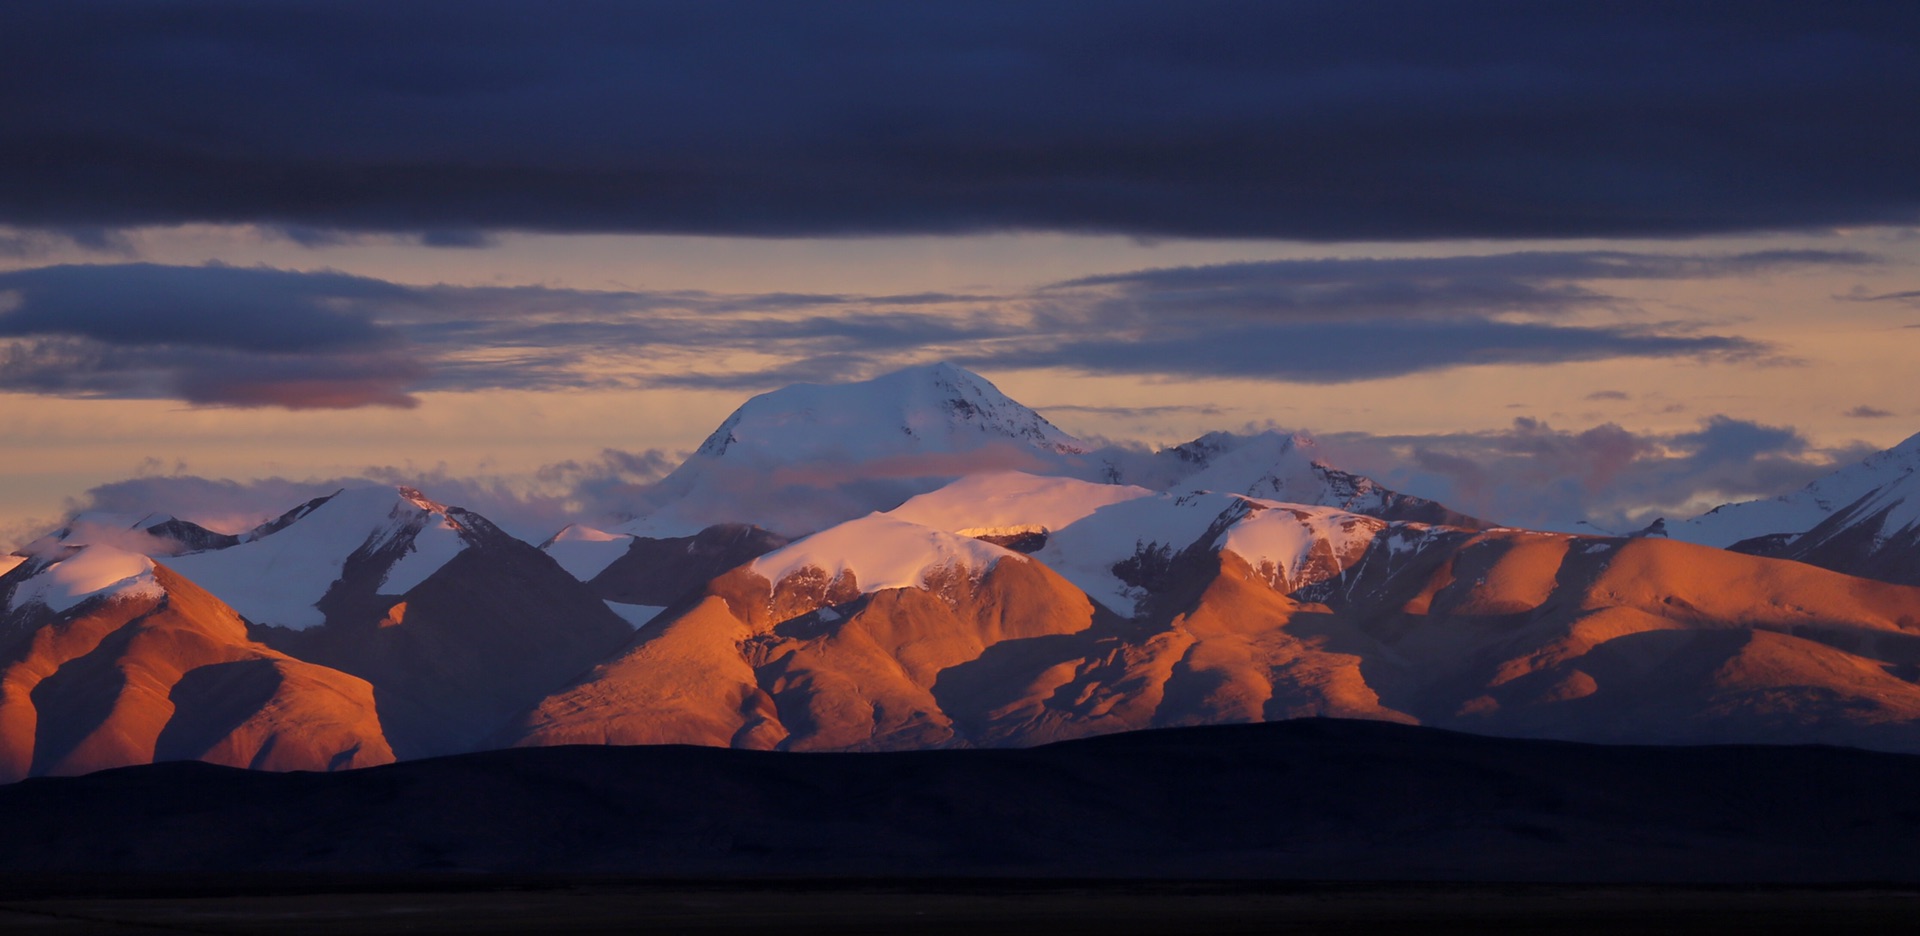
(231, 308)
(1599, 395)
(1863, 411)
(1536, 475)
(601, 490)
(1342, 352)
(1309, 121)
(211, 335)
(228, 336)
(1910, 295)
(210, 377)
(1530, 474)
(1472, 286)
(26, 244)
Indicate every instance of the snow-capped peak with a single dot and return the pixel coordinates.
(1293, 546)
(934, 409)
(584, 551)
(288, 565)
(805, 457)
(1274, 465)
(417, 499)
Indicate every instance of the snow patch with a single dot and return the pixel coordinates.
(432, 548)
(277, 578)
(882, 552)
(1287, 536)
(1085, 552)
(1891, 477)
(1004, 503)
(1269, 465)
(94, 570)
(586, 552)
(635, 615)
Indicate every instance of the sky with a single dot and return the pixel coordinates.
(1549, 263)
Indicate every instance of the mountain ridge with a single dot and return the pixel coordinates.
(981, 605)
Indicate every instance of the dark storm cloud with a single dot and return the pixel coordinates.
(212, 307)
(1335, 120)
(207, 335)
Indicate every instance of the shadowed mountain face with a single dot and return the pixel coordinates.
(1870, 538)
(1311, 799)
(156, 669)
(485, 635)
(661, 572)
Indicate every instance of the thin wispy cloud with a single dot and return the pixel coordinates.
(231, 336)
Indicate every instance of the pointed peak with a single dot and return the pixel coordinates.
(417, 499)
(1267, 444)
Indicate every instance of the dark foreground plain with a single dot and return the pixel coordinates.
(1288, 826)
(1314, 799)
(396, 904)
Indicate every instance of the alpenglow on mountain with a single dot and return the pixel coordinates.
(918, 561)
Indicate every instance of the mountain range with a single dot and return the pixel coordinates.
(919, 561)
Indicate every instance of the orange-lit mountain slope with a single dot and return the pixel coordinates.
(882, 633)
(109, 659)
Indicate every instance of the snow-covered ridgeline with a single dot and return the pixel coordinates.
(279, 577)
(87, 573)
(882, 552)
(1889, 476)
